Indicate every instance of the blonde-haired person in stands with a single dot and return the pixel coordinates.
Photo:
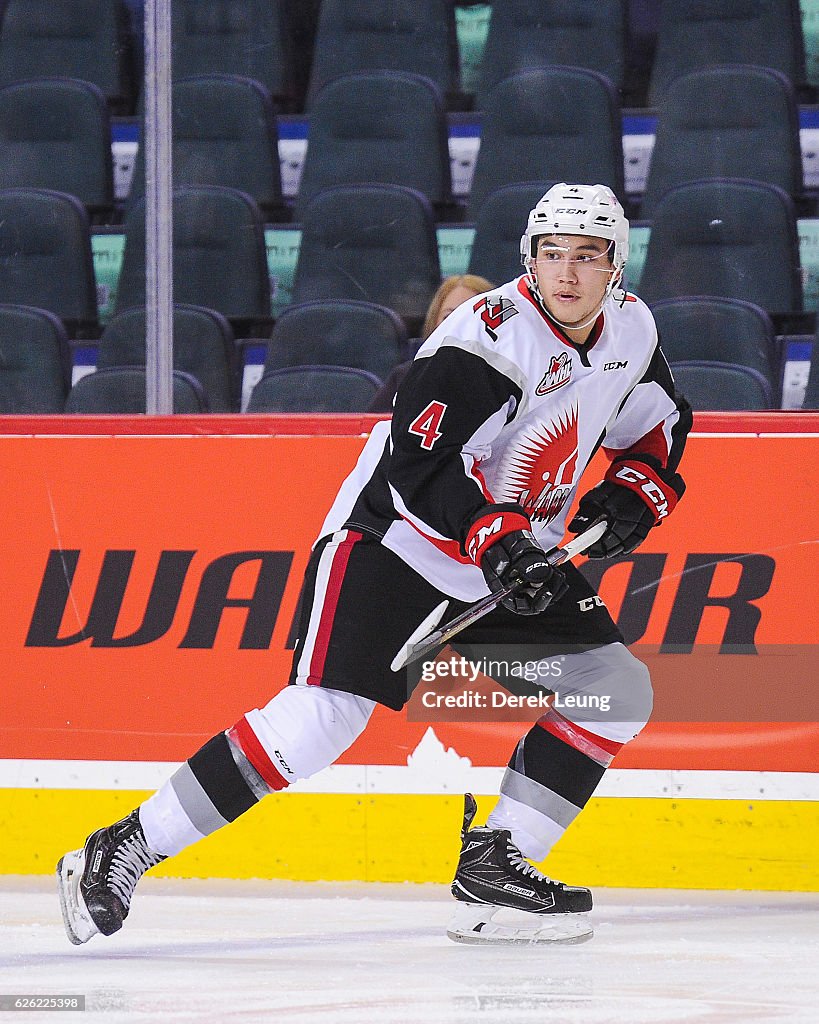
(451, 293)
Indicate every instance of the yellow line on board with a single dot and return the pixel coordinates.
(617, 841)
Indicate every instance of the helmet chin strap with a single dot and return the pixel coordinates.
(616, 276)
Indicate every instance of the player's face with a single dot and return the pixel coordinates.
(573, 272)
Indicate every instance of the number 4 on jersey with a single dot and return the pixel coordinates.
(427, 423)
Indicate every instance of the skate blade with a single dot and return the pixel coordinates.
(473, 924)
(78, 924)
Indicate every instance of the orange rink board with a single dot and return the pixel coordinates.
(151, 585)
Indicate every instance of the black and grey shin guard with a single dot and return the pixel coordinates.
(551, 776)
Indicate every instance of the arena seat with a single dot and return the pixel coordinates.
(314, 389)
(235, 37)
(375, 243)
(697, 327)
(501, 219)
(55, 133)
(525, 34)
(85, 39)
(224, 134)
(343, 332)
(737, 121)
(727, 237)
(358, 35)
(35, 361)
(122, 389)
(561, 124)
(219, 257)
(701, 33)
(203, 347)
(715, 387)
(45, 256)
(384, 127)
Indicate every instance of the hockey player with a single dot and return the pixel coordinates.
(505, 405)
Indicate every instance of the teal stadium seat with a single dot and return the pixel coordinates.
(122, 390)
(314, 389)
(386, 127)
(203, 347)
(701, 33)
(726, 237)
(561, 124)
(55, 133)
(721, 387)
(219, 256)
(724, 330)
(85, 39)
(526, 34)
(736, 121)
(374, 243)
(35, 362)
(45, 257)
(501, 218)
(359, 35)
(361, 335)
(235, 37)
(696, 327)
(224, 134)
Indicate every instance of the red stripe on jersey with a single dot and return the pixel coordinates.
(243, 734)
(596, 747)
(328, 607)
(451, 548)
(653, 443)
(477, 475)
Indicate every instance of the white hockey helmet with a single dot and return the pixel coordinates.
(577, 210)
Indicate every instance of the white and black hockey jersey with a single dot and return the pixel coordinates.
(499, 406)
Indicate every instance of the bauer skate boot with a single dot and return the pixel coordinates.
(96, 883)
(494, 877)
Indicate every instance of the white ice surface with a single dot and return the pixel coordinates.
(362, 953)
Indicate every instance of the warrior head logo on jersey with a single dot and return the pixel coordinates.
(538, 469)
(558, 373)
(494, 310)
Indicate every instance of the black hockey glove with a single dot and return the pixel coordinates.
(501, 543)
(634, 497)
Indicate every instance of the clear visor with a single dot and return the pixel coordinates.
(559, 249)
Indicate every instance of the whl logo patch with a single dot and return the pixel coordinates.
(558, 374)
(494, 311)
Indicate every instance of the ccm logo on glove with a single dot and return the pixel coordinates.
(484, 533)
(648, 485)
(501, 543)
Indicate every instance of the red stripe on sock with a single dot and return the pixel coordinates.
(329, 606)
(256, 754)
(564, 729)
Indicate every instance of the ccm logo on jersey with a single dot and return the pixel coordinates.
(558, 374)
(617, 364)
(586, 604)
(494, 310)
(630, 475)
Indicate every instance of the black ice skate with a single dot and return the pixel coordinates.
(493, 876)
(96, 883)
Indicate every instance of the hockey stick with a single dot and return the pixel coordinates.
(557, 556)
